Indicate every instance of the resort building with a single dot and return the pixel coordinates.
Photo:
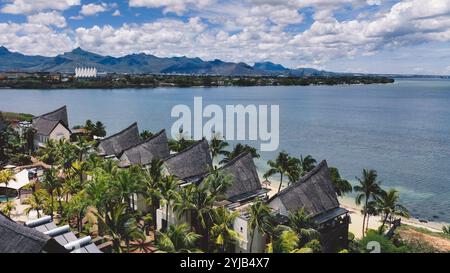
(315, 193)
(85, 72)
(155, 147)
(192, 164)
(51, 126)
(245, 188)
(114, 145)
(63, 236)
(189, 166)
(17, 238)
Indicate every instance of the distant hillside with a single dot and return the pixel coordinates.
(144, 63)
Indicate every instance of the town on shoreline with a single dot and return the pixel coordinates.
(54, 80)
(140, 191)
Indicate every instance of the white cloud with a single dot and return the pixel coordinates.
(93, 9)
(34, 39)
(31, 6)
(254, 30)
(48, 18)
(116, 13)
(176, 6)
(163, 37)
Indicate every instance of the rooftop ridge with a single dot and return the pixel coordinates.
(302, 179)
(234, 160)
(188, 148)
(120, 132)
(52, 112)
(145, 140)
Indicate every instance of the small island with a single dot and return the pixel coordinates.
(46, 80)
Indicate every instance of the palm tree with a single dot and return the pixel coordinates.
(100, 130)
(238, 150)
(302, 225)
(50, 183)
(120, 225)
(36, 202)
(283, 165)
(145, 135)
(28, 136)
(284, 240)
(308, 163)
(66, 155)
(387, 203)
(222, 232)
(181, 142)
(217, 183)
(197, 202)
(294, 170)
(168, 188)
(153, 176)
(341, 185)
(125, 185)
(77, 207)
(368, 189)
(177, 239)
(80, 168)
(258, 219)
(217, 146)
(7, 207)
(6, 176)
(49, 153)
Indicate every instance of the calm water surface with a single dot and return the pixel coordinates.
(401, 130)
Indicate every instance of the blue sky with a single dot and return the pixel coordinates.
(376, 36)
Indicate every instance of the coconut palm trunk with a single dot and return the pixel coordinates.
(281, 182)
(364, 218)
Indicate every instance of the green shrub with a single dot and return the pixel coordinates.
(386, 245)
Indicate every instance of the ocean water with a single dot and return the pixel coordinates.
(402, 130)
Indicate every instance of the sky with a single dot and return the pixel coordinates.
(367, 36)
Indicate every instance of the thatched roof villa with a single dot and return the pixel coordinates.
(315, 193)
(115, 144)
(155, 147)
(246, 185)
(53, 125)
(191, 164)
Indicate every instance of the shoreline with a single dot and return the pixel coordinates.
(356, 215)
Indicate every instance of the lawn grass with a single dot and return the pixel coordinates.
(17, 116)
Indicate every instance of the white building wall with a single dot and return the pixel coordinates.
(243, 244)
(278, 206)
(173, 219)
(60, 132)
(85, 72)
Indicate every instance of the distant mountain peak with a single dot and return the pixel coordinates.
(269, 66)
(4, 50)
(143, 63)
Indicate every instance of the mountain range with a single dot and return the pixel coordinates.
(143, 63)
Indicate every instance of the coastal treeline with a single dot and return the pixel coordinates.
(97, 198)
(31, 81)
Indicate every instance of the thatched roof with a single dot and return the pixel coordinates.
(155, 147)
(194, 161)
(44, 124)
(16, 238)
(314, 192)
(115, 144)
(58, 114)
(245, 178)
